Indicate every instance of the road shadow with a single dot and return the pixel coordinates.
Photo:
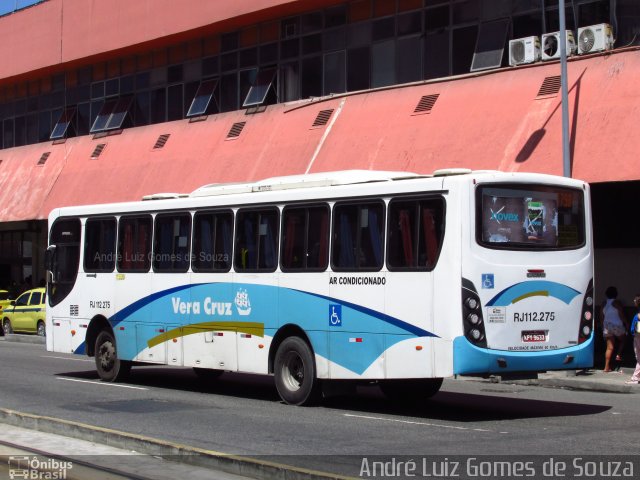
(444, 406)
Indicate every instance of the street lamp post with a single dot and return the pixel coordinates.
(566, 150)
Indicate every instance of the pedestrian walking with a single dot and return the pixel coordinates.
(613, 327)
(635, 331)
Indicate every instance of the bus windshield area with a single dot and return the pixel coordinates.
(530, 217)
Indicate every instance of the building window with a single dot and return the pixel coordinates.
(112, 114)
(63, 123)
(203, 97)
(260, 87)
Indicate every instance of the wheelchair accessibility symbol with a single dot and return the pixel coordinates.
(335, 315)
(488, 280)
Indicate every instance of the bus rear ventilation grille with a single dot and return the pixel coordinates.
(236, 130)
(43, 158)
(550, 86)
(98, 150)
(162, 139)
(322, 118)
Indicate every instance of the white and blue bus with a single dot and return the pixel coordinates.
(388, 277)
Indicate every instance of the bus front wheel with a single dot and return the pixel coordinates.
(295, 372)
(412, 390)
(110, 368)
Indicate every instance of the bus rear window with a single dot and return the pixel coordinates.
(530, 217)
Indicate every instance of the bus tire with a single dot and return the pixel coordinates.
(6, 327)
(207, 374)
(411, 391)
(295, 372)
(110, 368)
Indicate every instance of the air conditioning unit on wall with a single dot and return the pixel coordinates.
(551, 45)
(524, 50)
(595, 38)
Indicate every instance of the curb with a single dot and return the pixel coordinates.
(573, 383)
(17, 338)
(151, 446)
(586, 384)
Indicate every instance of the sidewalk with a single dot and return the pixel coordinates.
(589, 380)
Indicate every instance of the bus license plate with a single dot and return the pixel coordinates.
(534, 336)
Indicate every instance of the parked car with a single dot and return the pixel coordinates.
(26, 313)
(5, 301)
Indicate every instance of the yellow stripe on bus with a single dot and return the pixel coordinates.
(252, 328)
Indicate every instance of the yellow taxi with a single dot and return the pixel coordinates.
(26, 313)
(5, 301)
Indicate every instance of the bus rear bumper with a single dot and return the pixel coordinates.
(471, 360)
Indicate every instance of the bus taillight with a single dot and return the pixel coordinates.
(586, 315)
(472, 315)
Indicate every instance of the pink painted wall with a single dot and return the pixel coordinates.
(490, 121)
(60, 31)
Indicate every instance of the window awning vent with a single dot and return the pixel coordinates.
(98, 150)
(162, 139)
(322, 118)
(426, 103)
(43, 158)
(550, 86)
(236, 130)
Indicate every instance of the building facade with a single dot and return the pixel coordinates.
(105, 101)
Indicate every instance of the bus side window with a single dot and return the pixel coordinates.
(100, 245)
(305, 238)
(430, 237)
(171, 242)
(358, 236)
(134, 244)
(415, 233)
(256, 242)
(212, 240)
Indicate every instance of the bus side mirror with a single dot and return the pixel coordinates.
(49, 261)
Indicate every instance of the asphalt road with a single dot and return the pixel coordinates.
(242, 414)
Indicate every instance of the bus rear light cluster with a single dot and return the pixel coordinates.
(472, 315)
(586, 319)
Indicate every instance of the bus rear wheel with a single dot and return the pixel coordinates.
(411, 391)
(110, 368)
(295, 373)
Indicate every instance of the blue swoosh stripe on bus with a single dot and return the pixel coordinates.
(396, 322)
(135, 306)
(516, 292)
(143, 302)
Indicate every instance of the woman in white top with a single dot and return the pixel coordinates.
(614, 327)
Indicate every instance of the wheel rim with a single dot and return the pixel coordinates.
(292, 371)
(41, 329)
(6, 326)
(107, 356)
